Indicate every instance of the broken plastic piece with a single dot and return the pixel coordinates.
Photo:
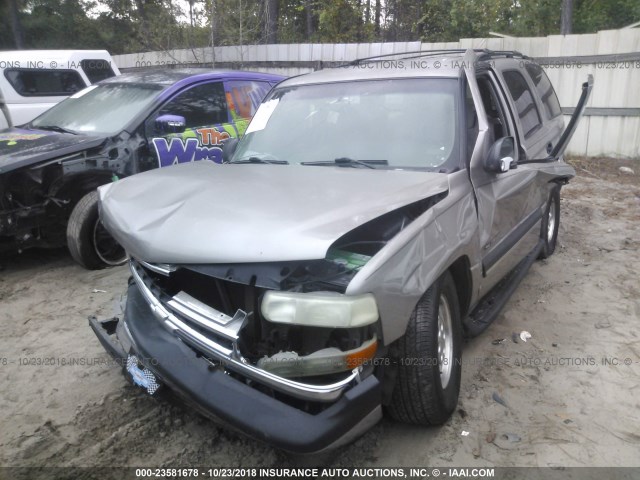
(497, 398)
(512, 437)
(524, 335)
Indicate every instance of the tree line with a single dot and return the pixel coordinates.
(130, 26)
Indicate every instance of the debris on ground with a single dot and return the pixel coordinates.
(498, 341)
(464, 433)
(604, 323)
(514, 337)
(626, 171)
(96, 290)
(524, 335)
(512, 437)
(497, 398)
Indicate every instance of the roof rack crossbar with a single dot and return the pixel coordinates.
(411, 52)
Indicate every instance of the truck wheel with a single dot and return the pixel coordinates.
(89, 242)
(429, 363)
(550, 224)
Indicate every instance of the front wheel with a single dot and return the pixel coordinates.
(89, 242)
(429, 358)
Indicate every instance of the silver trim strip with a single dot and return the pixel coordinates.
(304, 391)
(210, 313)
(228, 333)
(161, 268)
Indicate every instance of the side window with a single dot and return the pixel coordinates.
(203, 105)
(523, 99)
(44, 83)
(498, 126)
(244, 97)
(545, 90)
(96, 70)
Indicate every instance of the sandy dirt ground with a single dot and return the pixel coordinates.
(570, 395)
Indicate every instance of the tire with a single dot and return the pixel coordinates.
(550, 224)
(89, 243)
(422, 394)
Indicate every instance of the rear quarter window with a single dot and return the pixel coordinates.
(97, 69)
(523, 100)
(44, 83)
(545, 90)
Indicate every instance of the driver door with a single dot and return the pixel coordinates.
(508, 209)
(191, 126)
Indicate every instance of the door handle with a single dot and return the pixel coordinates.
(549, 148)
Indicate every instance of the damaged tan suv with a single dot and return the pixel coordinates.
(373, 215)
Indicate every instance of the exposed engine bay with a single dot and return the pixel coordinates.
(292, 323)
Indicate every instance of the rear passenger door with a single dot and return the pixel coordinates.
(536, 105)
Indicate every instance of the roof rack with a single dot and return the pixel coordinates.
(417, 53)
(484, 54)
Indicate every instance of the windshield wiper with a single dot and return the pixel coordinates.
(349, 162)
(260, 160)
(55, 128)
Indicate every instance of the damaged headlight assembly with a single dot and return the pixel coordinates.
(320, 309)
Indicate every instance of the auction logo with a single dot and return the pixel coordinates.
(206, 147)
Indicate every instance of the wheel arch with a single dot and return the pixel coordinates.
(460, 270)
(74, 187)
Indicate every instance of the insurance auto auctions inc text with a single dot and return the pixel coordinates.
(403, 472)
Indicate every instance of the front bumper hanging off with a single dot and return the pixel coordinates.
(352, 407)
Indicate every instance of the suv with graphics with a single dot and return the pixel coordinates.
(50, 167)
(371, 216)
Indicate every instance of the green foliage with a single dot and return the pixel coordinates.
(125, 26)
(341, 21)
(593, 15)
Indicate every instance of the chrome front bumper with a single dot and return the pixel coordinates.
(230, 358)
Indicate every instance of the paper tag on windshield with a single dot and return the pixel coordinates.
(262, 116)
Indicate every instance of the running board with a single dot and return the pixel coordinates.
(492, 304)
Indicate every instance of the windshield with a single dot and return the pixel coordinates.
(407, 123)
(99, 109)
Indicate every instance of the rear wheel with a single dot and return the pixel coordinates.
(89, 242)
(550, 224)
(429, 359)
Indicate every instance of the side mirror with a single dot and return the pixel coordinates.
(502, 156)
(170, 124)
(228, 148)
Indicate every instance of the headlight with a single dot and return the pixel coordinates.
(320, 309)
(322, 362)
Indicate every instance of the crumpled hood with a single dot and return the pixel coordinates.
(20, 147)
(207, 213)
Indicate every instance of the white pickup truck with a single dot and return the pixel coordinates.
(32, 81)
